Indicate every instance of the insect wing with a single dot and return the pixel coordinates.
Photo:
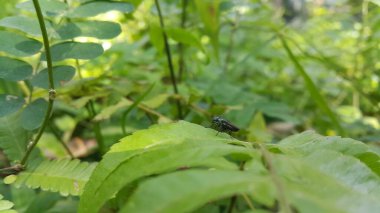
(229, 126)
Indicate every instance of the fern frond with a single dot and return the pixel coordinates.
(65, 176)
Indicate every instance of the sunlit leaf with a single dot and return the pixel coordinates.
(96, 29)
(94, 8)
(48, 7)
(25, 24)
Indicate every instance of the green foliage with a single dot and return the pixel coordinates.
(9, 104)
(75, 50)
(13, 138)
(13, 69)
(5, 206)
(33, 114)
(268, 68)
(172, 163)
(18, 45)
(67, 177)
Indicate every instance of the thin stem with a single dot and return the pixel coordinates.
(58, 137)
(97, 129)
(181, 61)
(169, 58)
(52, 92)
(234, 198)
(282, 200)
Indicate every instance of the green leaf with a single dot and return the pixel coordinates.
(61, 75)
(172, 146)
(43, 202)
(156, 36)
(377, 2)
(14, 70)
(96, 29)
(33, 114)
(18, 45)
(65, 176)
(110, 110)
(258, 130)
(94, 8)
(10, 104)
(309, 142)
(313, 90)
(209, 14)
(74, 50)
(5, 205)
(184, 36)
(188, 190)
(13, 138)
(48, 7)
(25, 24)
(315, 184)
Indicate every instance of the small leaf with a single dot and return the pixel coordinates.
(156, 37)
(10, 179)
(18, 45)
(5, 206)
(184, 36)
(48, 7)
(10, 104)
(25, 24)
(96, 29)
(61, 75)
(33, 114)
(74, 50)
(97, 7)
(13, 138)
(13, 69)
(65, 176)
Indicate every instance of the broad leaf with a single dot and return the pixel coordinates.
(61, 75)
(18, 45)
(172, 146)
(9, 104)
(25, 24)
(65, 176)
(186, 191)
(13, 69)
(94, 8)
(13, 138)
(75, 50)
(96, 29)
(33, 114)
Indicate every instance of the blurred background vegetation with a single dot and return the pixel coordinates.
(230, 59)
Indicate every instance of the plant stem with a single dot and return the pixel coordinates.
(58, 137)
(97, 129)
(231, 43)
(181, 61)
(169, 58)
(234, 198)
(52, 92)
(282, 200)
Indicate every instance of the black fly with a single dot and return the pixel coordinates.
(222, 125)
